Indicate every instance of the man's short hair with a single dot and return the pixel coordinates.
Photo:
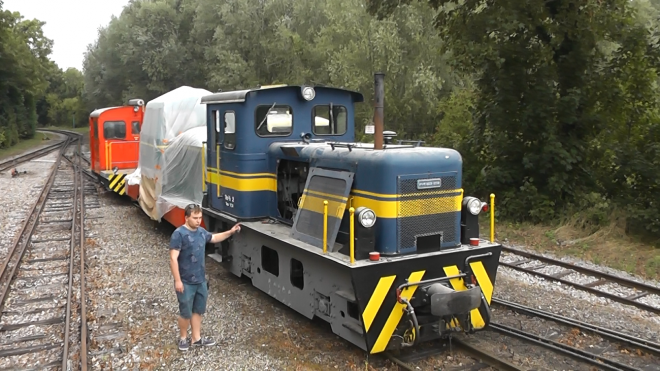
(192, 208)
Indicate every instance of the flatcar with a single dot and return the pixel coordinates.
(377, 239)
(139, 151)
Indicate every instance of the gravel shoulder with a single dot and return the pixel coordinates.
(132, 307)
(130, 287)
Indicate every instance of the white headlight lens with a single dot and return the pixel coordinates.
(474, 205)
(309, 93)
(367, 218)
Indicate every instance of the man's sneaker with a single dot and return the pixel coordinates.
(204, 342)
(183, 344)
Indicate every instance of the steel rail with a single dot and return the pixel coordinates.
(643, 344)
(479, 354)
(72, 250)
(486, 357)
(83, 306)
(601, 362)
(27, 229)
(6, 164)
(590, 272)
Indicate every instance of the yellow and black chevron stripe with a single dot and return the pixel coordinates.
(117, 183)
(381, 312)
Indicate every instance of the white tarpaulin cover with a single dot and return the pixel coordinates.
(170, 166)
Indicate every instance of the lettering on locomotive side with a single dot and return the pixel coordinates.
(429, 183)
(229, 201)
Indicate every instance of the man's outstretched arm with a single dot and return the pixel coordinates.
(219, 237)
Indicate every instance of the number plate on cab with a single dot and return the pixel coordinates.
(429, 183)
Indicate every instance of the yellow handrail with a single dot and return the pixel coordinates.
(203, 167)
(325, 226)
(492, 217)
(217, 165)
(352, 235)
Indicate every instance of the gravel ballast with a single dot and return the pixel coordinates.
(132, 306)
(18, 194)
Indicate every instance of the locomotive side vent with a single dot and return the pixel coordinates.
(427, 211)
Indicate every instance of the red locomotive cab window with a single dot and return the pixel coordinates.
(135, 127)
(114, 130)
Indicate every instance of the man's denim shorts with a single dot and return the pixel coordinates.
(192, 299)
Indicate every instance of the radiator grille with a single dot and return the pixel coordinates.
(427, 212)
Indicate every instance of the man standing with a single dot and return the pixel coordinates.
(187, 247)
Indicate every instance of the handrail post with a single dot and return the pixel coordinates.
(352, 234)
(492, 217)
(217, 165)
(203, 167)
(325, 226)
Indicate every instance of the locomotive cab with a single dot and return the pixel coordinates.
(114, 142)
(375, 238)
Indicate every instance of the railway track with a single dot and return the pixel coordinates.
(43, 324)
(601, 347)
(15, 161)
(590, 280)
(482, 358)
(586, 343)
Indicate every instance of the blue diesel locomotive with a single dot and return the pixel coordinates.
(377, 238)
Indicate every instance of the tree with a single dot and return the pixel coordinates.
(548, 76)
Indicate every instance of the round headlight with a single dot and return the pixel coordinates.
(308, 93)
(366, 217)
(474, 205)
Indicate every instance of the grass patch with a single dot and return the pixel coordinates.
(24, 145)
(607, 245)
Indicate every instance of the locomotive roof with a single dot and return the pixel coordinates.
(239, 96)
(99, 111)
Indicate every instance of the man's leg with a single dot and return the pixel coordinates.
(185, 313)
(196, 326)
(199, 308)
(183, 327)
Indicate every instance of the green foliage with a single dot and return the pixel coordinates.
(552, 104)
(27, 77)
(566, 103)
(156, 46)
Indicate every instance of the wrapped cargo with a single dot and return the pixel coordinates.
(170, 168)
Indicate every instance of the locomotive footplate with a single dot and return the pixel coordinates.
(390, 303)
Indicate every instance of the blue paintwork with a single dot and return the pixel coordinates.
(249, 154)
(375, 171)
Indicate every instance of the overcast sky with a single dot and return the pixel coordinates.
(71, 24)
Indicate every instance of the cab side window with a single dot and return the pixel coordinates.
(135, 127)
(329, 120)
(273, 120)
(230, 129)
(114, 130)
(95, 129)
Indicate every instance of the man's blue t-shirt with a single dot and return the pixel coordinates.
(191, 245)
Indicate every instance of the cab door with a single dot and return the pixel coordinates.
(94, 145)
(224, 142)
